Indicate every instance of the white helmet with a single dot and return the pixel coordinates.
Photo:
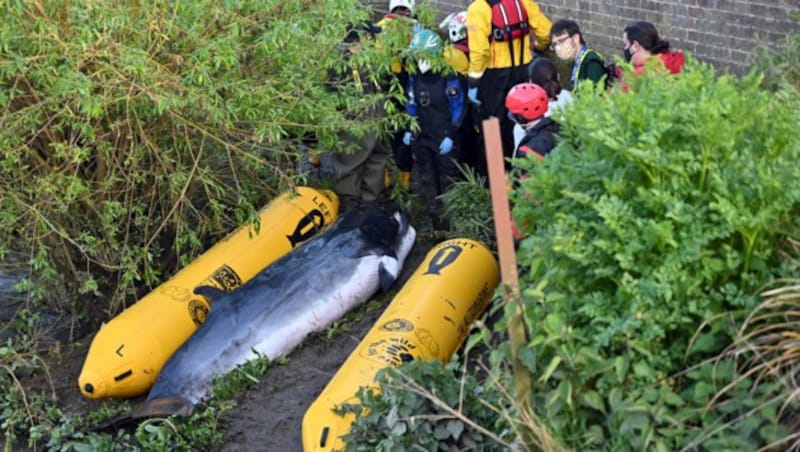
(456, 25)
(409, 4)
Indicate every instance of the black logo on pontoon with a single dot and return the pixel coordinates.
(444, 257)
(226, 278)
(392, 351)
(397, 325)
(198, 310)
(307, 227)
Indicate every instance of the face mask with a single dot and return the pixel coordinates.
(424, 66)
(626, 53)
(564, 51)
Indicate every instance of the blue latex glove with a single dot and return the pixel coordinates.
(445, 146)
(408, 137)
(472, 93)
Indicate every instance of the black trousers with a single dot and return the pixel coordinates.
(492, 90)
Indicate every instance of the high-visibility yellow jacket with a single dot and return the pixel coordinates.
(407, 26)
(485, 54)
(456, 59)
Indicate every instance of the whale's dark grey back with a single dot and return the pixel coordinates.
(324, 263)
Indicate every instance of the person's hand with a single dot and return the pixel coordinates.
(445, 146)
(472, 93)
(408, 137)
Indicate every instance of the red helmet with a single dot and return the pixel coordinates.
(527, 101)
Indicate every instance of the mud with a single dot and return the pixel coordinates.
(268, 416)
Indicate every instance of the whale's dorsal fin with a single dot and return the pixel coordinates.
(212, 293)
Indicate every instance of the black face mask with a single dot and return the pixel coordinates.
(626, 53)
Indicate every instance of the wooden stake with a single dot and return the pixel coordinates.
(505, 249)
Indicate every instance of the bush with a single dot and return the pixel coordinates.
(135, 134)
(425, 406)
(657, 213)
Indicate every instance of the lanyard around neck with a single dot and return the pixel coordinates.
(573, 78)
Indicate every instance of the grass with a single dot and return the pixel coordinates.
(766, 353)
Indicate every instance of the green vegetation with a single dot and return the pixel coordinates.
(136, 135)
(659, 269)
(650, 233)
(659, 214)
(468, 206)
(428, 411)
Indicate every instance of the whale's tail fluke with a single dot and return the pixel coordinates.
(161, 407)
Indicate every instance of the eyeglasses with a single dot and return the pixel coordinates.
(557, 42)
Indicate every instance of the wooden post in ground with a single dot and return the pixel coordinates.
(507, 254)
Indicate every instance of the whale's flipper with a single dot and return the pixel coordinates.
(388, 271)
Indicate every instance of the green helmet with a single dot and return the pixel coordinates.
(427, 42)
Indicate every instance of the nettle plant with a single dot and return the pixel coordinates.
(658, 213)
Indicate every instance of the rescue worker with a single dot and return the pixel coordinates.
(500, 48)
(457, 56)
(437, 98)
(400, 18)
(457, 53)
(641, 43)
(358, 176)
(528, 105)
(569, 45)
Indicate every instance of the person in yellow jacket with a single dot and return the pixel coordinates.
(456, 55)
(500, 34)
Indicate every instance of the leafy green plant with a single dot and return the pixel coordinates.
(780, 66)
(135, 134)
(26, 416)
(763, 364)
(462, 404)
(658, 211)
(419, 406)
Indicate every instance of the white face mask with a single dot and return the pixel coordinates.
(424, 66)
(566, 50)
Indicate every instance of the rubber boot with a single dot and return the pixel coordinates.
(313, 158)
(404, 179)
(387, 179)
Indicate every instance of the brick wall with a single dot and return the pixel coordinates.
(721, 32)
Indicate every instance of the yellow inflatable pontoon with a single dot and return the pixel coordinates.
(129, 351)
(428, 319)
